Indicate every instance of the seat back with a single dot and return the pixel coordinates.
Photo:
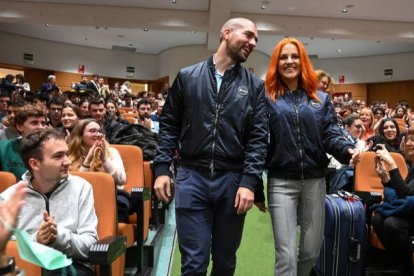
(133, 160)
(134, 165)
(104, 194)
(7, 179)
(366, 178)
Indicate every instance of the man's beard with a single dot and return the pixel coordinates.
(144, 116)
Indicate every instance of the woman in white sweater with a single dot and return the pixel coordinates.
(89, 151)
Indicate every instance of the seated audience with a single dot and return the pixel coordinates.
(144, 112)
(97, 111)
(394, 231)
(84, 107)
(29, 119)
(54, 107)
(21, 85)
(388, 134)
(4, 101)
(71, 115)
(59, 208)
(354, 129)
(89, 151)
(155, 116)
(9, 131)
(112, 108)
(368, 121)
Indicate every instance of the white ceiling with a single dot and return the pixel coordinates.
(370, 27)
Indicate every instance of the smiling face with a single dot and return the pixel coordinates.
(289, 63)
(69, 118)
(111, 108)
(92, 133)
(355, 129)
(366, 119)
(390, 131)
(241, 40)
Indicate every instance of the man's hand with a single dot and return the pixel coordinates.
(47, 232)
(244, 200)
(162, 188)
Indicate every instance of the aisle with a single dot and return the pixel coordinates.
(256, 253)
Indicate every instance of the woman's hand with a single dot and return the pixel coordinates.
(381, 170)
(90, 154)
(383, 154)
(102, 148)
(402, 145)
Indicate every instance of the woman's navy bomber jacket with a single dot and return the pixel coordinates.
(302, 131)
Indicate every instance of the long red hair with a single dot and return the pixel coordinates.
(307, 78)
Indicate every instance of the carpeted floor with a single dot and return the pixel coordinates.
(256, 253)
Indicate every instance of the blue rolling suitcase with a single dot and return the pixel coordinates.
(344, 245)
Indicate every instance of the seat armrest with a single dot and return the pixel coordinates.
(107, 250)
(369, 198)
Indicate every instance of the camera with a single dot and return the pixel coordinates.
(375, 148)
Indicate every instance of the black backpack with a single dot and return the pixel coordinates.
(139, 135)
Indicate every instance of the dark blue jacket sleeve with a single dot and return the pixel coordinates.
(256, 148)
(170, 128)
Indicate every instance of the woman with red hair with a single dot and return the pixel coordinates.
(303, 129)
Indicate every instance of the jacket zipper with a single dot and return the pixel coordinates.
(44, 197)
(216, 117)
(299, 135)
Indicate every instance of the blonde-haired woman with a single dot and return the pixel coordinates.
(368, 120)
(89, 151)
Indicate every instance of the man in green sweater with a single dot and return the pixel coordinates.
(28, 119)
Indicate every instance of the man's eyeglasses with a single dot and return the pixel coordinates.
(359, 126)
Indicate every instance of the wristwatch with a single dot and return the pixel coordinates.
(9, 267)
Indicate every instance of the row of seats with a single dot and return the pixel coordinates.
(118, 236)
(367, 183)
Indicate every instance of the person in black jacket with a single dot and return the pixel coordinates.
(394, 231)
(303, 129)
(215, 113)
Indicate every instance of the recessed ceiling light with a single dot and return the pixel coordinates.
(262, 7)
(339, 51)
(131, 44)
(174, 1)
(146, 29)
(47, 25)
(344, 10)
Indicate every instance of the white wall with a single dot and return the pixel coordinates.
(66, 58)
(173, 59)
(369, 69)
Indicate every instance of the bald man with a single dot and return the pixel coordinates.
(215, 114)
